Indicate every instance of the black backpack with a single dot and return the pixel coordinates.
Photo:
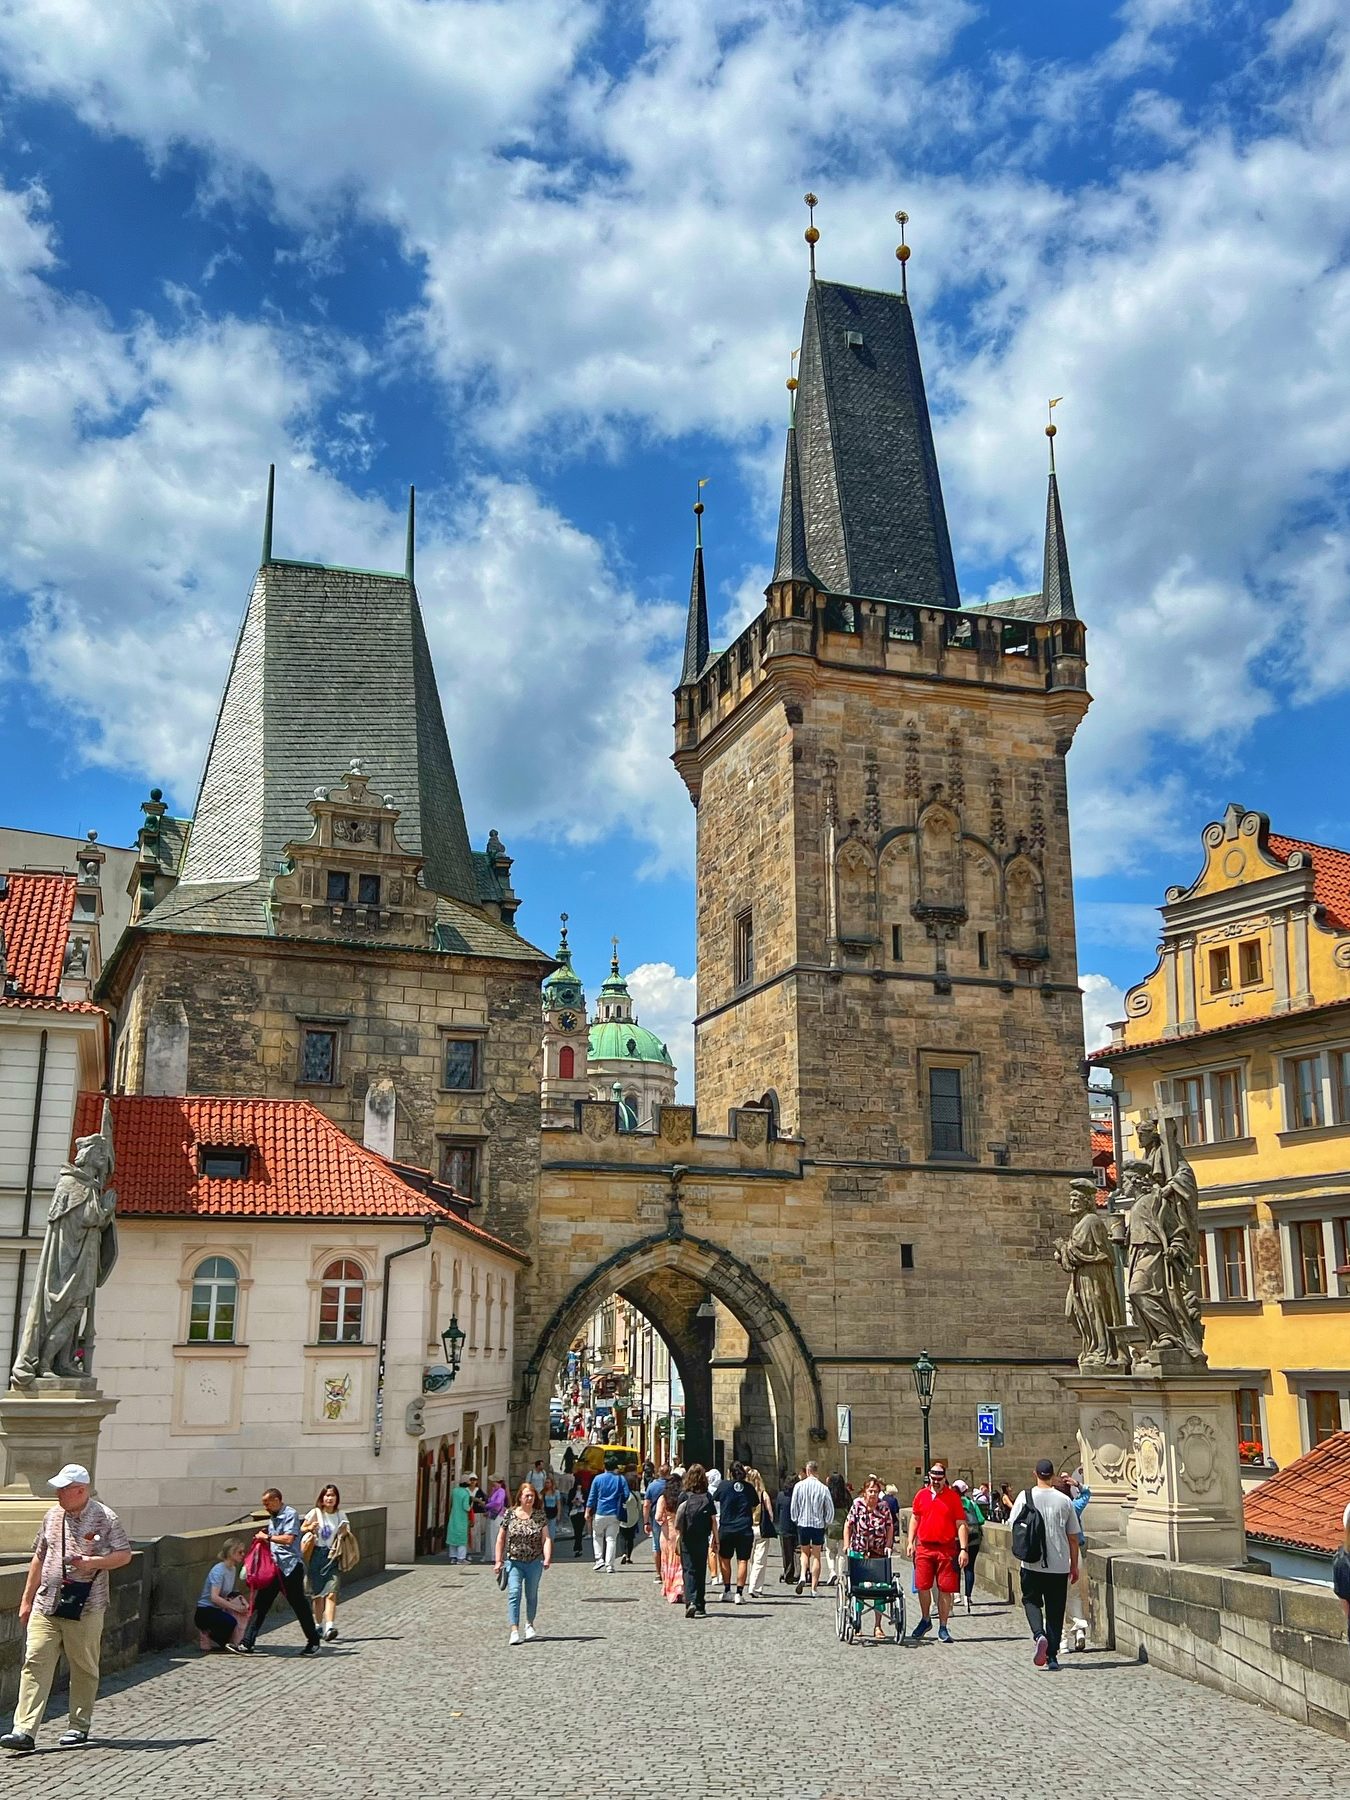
(1028, 1533)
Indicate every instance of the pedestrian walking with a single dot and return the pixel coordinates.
(498, 1500)
(939, 1540)
(736, 1501)
(459, 1524)
(833, 1547)
(605, 1502)
(538, 1475)
(524, 1550)
(787, 1531)
(765, 1532)
(672, 1568)
(812, 1511)
(64, 1602)
(974, 1539)
(869, 1530)
(1005, 1502)
(650, 1500)
(569, 1460)
(1079, 1493)
(696, 1524)
(891, 1495)
(628, 1527)
(330, 1549)
(576, 1513)
(552, 1502)
(221, 1609)
(282, 1535)
(1045, 1543)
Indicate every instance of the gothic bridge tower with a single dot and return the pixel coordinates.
(885, 915)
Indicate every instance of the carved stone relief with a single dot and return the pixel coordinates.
(1198, 1455)
(1149, 1457)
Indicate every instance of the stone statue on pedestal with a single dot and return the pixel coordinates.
(1092, 1305)
(78, 1253)
(1160, 1260)
(1175, 1176)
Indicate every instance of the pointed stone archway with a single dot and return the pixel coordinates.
(666, 1278)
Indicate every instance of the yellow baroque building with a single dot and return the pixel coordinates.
(1242, 1032)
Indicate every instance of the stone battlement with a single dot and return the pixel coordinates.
(594, 1135)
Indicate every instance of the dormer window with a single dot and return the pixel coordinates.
(222, 1164)
(339, 887)
(368, 890)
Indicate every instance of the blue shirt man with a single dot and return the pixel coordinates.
(608, 1495)
(285, 1523)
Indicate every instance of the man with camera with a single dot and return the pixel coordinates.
(64, 1602)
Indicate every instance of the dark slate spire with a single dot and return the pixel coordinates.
(790, 563)
(875, 524)
(1056, 587)
(696, 631)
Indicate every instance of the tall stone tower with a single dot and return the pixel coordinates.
(565, 1039)
(886, 951)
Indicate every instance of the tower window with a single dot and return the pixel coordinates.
(946, 1113)
(1220, 970)
(461, 1064)
(368, 890)
(982, 939)
(459, 1166)
(745, 948)
(1249, 961)
(567, 1063)
(906, 1256)
(897, 945)
(339, 887)
(318, 1057)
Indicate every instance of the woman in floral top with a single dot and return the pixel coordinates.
(525, 1550)
(869, 1530)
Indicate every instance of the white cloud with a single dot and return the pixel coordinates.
(1103, 1005)
(665, 1002)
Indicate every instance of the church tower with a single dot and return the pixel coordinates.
(886, 945)
(565, 1036)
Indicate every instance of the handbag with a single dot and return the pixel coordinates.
(74, 1595)
(260, 1567)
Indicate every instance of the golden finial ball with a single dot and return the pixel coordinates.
(1051, 430)
(902, 218)
(698, 509)
(811, 235)
(810, 200)
(792, 384)
(902, 253)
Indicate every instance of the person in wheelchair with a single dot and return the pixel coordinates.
(869, 1532)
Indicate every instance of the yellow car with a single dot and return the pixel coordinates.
(627, 1460)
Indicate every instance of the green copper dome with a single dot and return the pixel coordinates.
(618, 1040)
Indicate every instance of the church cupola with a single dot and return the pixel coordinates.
(565, 1075)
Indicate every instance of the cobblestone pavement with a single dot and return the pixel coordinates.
(623, 1696)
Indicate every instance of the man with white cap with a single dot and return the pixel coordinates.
(64, 1602)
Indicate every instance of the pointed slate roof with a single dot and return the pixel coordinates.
(330, 664)
(696, 630)
(790, 564)
(1056, 587)
(875, 525)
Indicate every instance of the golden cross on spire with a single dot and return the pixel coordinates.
(811, 234)
(614, 961)
(1051, 427)
(902, 253)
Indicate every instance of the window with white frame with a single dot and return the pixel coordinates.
(1317, 1089)
(342, 1302)
(1325, 1412)
(1251, 1426)
(1225, 1263)
(214, 1303)
(1307, 1240)
(505, 1305)
(1213, 1105)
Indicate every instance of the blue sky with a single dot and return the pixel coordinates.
(544, 259)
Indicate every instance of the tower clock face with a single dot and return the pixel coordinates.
(568, 1021)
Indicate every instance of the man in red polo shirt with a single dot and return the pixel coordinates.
(939, 1542)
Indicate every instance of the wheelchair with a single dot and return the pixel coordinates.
(869, 1581)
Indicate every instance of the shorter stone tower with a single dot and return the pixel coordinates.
(564, 1080)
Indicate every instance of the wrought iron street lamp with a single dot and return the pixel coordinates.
(925, 1380)
(452, 1342)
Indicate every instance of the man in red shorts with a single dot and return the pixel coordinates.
(939, 1543)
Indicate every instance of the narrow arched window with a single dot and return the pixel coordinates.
(567, 1063)
(342, 1303)
(215, 1300)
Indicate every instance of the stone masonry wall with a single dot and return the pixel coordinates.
(245, 1001)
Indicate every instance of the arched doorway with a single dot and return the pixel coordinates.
(768, 1399)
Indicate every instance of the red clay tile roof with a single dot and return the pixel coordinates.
(1331, 875)
(35, 917)
(1304, 1503)
(1104, 1151)
(1113, 1052)
(302, 1165)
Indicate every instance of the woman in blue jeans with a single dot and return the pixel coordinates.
(524, 1550)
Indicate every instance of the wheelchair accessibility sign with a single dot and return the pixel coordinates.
(989, 1423)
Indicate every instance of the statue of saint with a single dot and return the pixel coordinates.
(1157, 1253)
(1092, 1305)
(1175, 1176)
(78, 1253)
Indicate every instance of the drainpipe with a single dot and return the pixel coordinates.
(28, 1197)
(428, 1226)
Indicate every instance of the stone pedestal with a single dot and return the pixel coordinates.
(42, 1428)
(1160, 1454)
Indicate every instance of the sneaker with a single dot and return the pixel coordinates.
(944, 1636)
(237, 1649)
(1053, 1665)
(310, 1650)
(1042, 1655)
(726, 1595)
(700, 1612)
(922, 1629)
(515, 1636)
(71, 1740)
(1080, 1636)
(598, 1567)
(331, 1633)
(800, 1587)
(18, 1741)
(530, 1633)
(689, 1612)
(740, 1598)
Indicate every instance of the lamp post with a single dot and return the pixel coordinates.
(925, 1380)
(452, 1342)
